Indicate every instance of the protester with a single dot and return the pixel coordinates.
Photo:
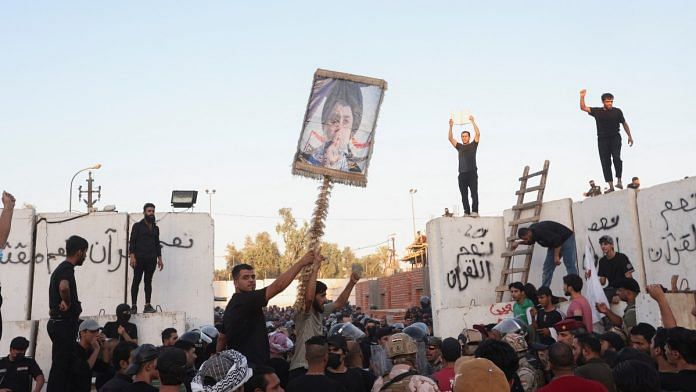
(641, 336)
(522, 303)
(560, 242)
(355, 360)
(8, 203)
(224, 372)
(451, 351)
(635, 183)
(627, 290)
(171, 369)
(587, 353)
(611, 343)
(579, 308)
(638, 376)
(169, 337)
(504, 357)
(547, 316)
(447, 213)
(595, 190)
(122, 329)
(681, 352)
(314, 379)
(64, 311)
(608, 119)
(264, 379)
(17, 371)
(145, 256)
(336, 368)
(120, 361)
(280, 345)
(244, 322)
(659, 355)
(468, 171)
(479, 374)
(613, 267)
(86, 359)
(308, 322)
(143, 368)
(433, 354)
(189, 350)
(561, 359)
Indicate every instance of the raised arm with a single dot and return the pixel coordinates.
(312, 284)
(8, 203)
(477, 133)
(583, 107)
(343, 298)
(604, 309)
(284, 280)
(451, 138)
(668, 319)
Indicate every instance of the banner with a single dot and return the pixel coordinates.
(339, 127)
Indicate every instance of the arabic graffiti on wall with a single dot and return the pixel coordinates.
(473, 260)
(676, 241)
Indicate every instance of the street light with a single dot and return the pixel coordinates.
(210, 194)
(94, 167)
(413, 191)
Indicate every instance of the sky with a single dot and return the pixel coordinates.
(211, 95)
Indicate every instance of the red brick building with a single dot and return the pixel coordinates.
(399, 291)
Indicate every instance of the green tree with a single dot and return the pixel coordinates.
(263, 254)
(374, 264)
(294, 238)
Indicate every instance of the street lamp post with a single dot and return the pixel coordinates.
(413, 191)
(94, 167)
(210, 194)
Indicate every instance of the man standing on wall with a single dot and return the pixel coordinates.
(8, 202)
(64, 311)
(145, 255)
(608, 119)
(468, 172)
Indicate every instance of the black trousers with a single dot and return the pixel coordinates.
(610, 149)
(143, 266)
(469, 182)
(63, 334)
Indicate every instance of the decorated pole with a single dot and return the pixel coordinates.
(335, 144)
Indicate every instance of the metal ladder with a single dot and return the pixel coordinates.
(514, 225)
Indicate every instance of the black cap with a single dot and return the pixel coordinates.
(629, 284)
(338, 341)
(19, 343)
(139, 356)
(614, 340)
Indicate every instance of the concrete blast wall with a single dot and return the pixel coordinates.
(101, 279)
(186, 282)
(16, 268)
(667, 215)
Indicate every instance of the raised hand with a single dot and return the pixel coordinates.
(8, 201)
(602, 308)
(451, 122)
(583, 92)
(471, 118)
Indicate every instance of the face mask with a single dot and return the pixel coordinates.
(123, 317)
(334, 360)
(150, 218)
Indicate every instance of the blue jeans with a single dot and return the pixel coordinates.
(569, 257)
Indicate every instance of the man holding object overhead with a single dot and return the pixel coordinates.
(468, 175)
(608, 119)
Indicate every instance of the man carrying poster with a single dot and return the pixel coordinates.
(468, 172)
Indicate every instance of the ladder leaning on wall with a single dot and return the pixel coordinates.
(516, 222)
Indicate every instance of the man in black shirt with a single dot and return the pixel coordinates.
(243, 321)
(681, 352)
(613, 267)
(336, 369)
(64, 311)
(143, 368)
(18, 371)
(468, 172)
(145, 255)
(122, 329)
(560, 242)
(317, 355)
(608, 119)
(547, 316)
(119, 360)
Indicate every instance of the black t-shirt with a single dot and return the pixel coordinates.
(467, 156)
(111, 330)
(352, 380)
(546, 319)
(684, 381)
(117, 384)
(141, 386)
(245, 326)
(64, 271)
(307, 383)
(607, 121)
(615, 269)
(282, 370)
(550, 234)
(18, 375)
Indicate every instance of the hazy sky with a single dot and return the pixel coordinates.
(194, 95)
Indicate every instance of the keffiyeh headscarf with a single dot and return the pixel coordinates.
(223, 372)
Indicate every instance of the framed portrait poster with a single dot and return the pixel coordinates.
(339, 127)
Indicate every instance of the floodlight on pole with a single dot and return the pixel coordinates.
(413, 191)
(93, 167)
(210, 194)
